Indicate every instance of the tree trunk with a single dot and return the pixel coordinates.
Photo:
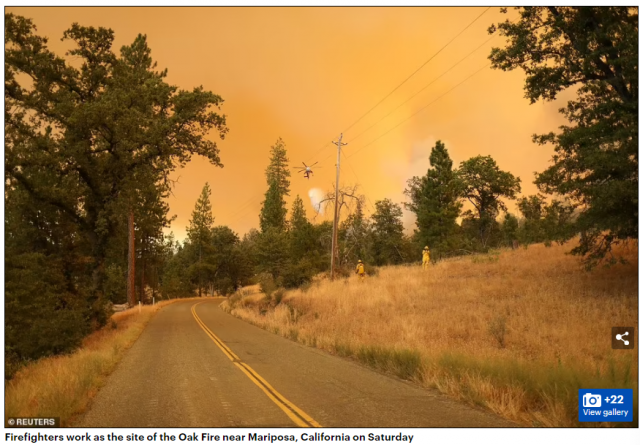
(154, 282)
(143, 294)
(131, 282)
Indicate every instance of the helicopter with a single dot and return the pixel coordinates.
(306, 169)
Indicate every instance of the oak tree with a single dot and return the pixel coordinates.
(79, 136)
(595, 164)
(435, 200)
(485, 186)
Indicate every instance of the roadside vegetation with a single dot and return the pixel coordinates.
(62, 386)
(515, 331)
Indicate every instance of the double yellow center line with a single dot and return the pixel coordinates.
(298, 416)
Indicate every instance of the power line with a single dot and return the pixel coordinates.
(346, 158)
(412, 96)
(240, 216)
(251, 201)
(241, 212)
(366, 195)
(395, 89)
(321, 150)
(419, 111)
(406, 79)
(422, 89)
(419, 68)
(247, 203)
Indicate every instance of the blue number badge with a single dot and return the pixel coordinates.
(606, 405)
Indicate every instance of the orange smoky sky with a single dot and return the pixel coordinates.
(305, 74)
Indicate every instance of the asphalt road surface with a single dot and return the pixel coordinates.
(197, 366)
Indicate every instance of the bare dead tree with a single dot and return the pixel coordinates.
(347, 198)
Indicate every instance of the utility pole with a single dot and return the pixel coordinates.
(336, 213)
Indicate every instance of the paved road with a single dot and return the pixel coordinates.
(196, 366)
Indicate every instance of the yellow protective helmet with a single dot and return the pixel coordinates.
(359, 261)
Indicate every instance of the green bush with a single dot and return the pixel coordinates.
(11, 365)
(267, 284)
(42, 316)
(297, 274)
(225, 286)
(344, 271)
(306, 286)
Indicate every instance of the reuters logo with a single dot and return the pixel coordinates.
(32, 422)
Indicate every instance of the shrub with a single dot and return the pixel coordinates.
(306, 286)
(225, 286)
(235, 299)
(344, 271)
(42, 316)
(267, 284)
(297, 274)
(12, 364)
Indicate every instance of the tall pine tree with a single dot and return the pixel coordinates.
(199, 235)
(388, 233)
(435, 200)
(301, 231)
(274, 213)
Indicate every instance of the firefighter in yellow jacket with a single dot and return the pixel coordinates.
(425, 257)
(360, 269)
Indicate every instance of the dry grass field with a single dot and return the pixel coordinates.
(517, 332)
(62, 386)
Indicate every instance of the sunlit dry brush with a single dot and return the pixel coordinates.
(518, 332)
(62, 386)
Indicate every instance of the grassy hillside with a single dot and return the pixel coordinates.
(517, 332)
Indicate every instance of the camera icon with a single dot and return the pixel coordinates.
(591, 400)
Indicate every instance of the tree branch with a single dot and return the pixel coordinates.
(68, 210)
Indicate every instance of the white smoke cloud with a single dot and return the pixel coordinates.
(316, 195)
(415, 163)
